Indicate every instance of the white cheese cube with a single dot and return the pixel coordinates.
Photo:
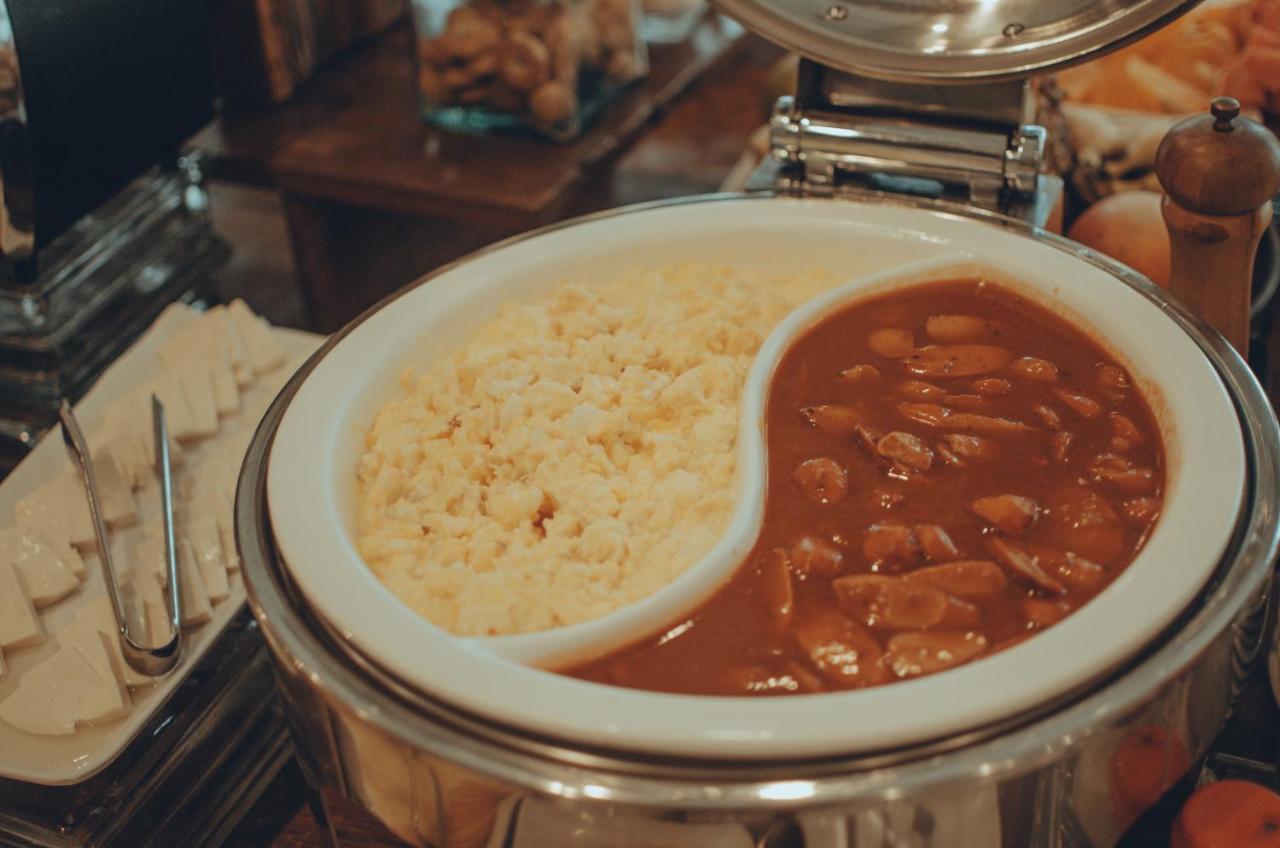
(141, 591)
(149, 559)
(129, 450)
(46, 578)
(206, 546)
(196, 608)
(219, 505)
(93, 647)
(63, 496)
(177, 412)
(226, 328)
(196, 380)
(132, 414)
(226, 393)
(67, 689)
(45, 521)
(115, 493)
(19, 624)
(264, 351)
(98, 616)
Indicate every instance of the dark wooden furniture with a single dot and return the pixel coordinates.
(374, 197)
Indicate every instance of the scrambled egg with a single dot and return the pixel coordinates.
(573, 457)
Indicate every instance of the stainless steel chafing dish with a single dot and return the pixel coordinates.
(894, 102)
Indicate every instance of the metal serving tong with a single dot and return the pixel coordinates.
(149, 660)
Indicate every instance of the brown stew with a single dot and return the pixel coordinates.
(951, 468)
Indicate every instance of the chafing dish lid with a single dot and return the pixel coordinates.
(932, 41)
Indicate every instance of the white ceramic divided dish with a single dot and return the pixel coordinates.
(311, 478)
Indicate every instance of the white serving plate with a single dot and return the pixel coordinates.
(311, 480)
(59, 760)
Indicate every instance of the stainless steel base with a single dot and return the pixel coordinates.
(381, 755)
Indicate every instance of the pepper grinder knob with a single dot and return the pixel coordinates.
(1219, 172)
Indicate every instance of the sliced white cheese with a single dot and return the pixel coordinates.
(196, 380)
(191, 592)
(115, 492)
(206, 546)
(63, 496)
(19, 624)
(226, 393)
(141, 591)
(129, 449)
(227, 328)
(46, 522)
(149, 559)
(67, 689)
(177, 412)
(44, 575)
(97, 616)
(92, 645)
(219, 505)
(264, 351)
(132, 414)
(227, 530)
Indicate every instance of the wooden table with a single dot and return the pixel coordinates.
(374, 197)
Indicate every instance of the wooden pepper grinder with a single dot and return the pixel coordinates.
(1219, 172)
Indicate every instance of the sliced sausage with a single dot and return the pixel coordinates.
(1082, 405)
(1024, 565)
(960, 360)
(1081, 573)
(1121, 474)
(935, 543)
(833, 419)
(1041, 613)
(932, 414)
(969, 447)
(891, 543)
(961, 615)
(823, 480)
(906, 449)
(1012, 515)
(1084, 522)
(992, 386)
(878, 601)
(1050, 418)
(972, 578)
(812, 556)
(891, 342)
(842, 651)
(985, 423)
(936, 415)
(965, 401)
(922, 391)
(913, 654)
(1034, 368)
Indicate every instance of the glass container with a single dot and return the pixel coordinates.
(546, 65)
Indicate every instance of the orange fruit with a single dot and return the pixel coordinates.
(1229, 814)
(1128, 227)
(1144, 765)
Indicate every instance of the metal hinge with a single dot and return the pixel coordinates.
(974, 146)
